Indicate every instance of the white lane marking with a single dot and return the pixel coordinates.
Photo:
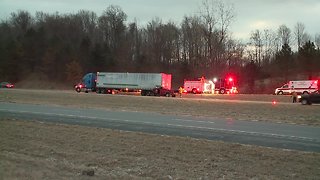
(187, 120)
(174, 125)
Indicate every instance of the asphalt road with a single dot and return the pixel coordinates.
(286, 136)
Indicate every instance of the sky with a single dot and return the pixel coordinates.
(250, 14)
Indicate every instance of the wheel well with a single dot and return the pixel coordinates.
(280, 92)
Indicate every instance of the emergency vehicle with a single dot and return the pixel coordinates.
(198, 86)
(300, 87)
(202, 85)
(226, 85)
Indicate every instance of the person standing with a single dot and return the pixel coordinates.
(294, 97)
(180, 91)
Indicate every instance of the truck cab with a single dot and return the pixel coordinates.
(88, 83)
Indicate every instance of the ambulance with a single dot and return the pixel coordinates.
(300, 87)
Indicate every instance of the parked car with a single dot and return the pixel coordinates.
(6, 85)
(310, 98)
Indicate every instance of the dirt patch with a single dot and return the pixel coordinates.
(34, 150)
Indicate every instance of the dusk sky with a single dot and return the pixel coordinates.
(250, 14)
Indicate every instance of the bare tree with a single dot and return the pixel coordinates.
(269, 39)
(193, 43)
(299, 33)
(284, 34)
(226, 17)
(317, 40)
(88, 22)
(217, 18)
(257, 45)
(21, 20)
(112, 24)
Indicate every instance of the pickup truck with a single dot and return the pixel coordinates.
(308, 99)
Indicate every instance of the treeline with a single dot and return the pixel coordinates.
(63, 47)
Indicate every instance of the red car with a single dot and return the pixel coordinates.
(6, 85)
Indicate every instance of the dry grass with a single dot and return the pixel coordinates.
(235, 107)
(32, 150)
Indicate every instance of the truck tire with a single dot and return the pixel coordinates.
(222, 91)
(305, 92)
(194, 91)
(168, 94)
(78, 90)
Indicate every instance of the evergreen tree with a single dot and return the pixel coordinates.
(307, 59)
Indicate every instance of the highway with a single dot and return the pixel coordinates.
(285, 136)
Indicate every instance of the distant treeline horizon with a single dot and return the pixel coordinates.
(65, 47)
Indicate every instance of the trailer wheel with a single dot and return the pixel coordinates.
(78, 90)
(168, 94)
(194, 91)
(222, 91)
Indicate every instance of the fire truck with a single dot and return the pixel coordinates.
(202, 85)
(198, 86)
(225, 85)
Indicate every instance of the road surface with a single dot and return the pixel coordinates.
(286, 136)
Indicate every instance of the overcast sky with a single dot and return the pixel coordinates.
(250, 14)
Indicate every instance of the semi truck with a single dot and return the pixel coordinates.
(300, 87)
(148, 84)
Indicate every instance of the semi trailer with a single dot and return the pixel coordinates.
(148, 84)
